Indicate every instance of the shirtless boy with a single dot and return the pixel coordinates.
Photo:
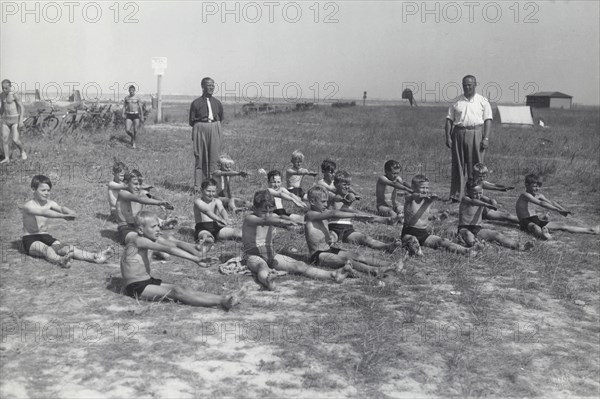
(131, 201)
(135, 267)
(278, 192)
(531, 222)
(473, 207)
(259, 254)
(318, 238)
(342, 228)
(212, 220)
(295, 173)
(222, 176)
(11, 119)
(37, 241)
(328, 169)
(133, 114)
(386, 190)
(415, 231)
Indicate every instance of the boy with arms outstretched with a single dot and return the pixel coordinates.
(319, 240)
(342, 227)
(212, 220)
(531, 222)
(480, 172)
(473, 207)
(222, 176)
(415, 231)
(259, 254)
(386, 190)
(37, 241)
(278, 192)
(131, 201)
(295, 173)
(135, 267)
(328, 169)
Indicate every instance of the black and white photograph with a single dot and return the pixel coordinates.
(300, 199)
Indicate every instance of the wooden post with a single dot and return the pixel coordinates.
(364, 97)
(159, 98)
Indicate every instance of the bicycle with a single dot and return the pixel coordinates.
(41, 125)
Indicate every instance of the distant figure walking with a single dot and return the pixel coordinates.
(407, 94)
(468, 126)
(11, 118)
(206, 114)
(133, 113)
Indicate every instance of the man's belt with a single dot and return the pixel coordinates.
(468, 127)
(208, 121)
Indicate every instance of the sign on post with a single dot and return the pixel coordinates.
(159, 64)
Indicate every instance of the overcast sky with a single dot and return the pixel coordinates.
(321, 50)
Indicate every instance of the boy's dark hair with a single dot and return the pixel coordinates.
(6, 81)
(272, 174)
(390, 165)
(534, 178)
(419, 179)
(131, 86)
(328, 166)
(263, 197)
(472, 183)
(40, 179)
(209, 182)
(131, 175)
(340, 176)
(119, 167)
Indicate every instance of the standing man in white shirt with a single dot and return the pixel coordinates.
(206, 114)
(468, 127)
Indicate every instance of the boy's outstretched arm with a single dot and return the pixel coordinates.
(489, 200)
(54, 212)
(113, 185)
(543, 202)
(163, 245)
(396, 184)
(208, 212)
(337, 214)
(126, 195)
(271, 220)
(477, 202)
(286, 195)
(219, 173)
(182, 245)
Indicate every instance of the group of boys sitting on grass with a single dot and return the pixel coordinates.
(327, 220)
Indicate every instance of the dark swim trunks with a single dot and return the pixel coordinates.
(125, 229)
(212, 227)
(314, 259)
(281, 212)
(132, 116)
(297, 191)
(420, 234)
(135, 289)
(342, 230)
(524, 223)
(472, 228)
(43, 238)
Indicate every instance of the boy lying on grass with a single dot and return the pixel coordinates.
(473, 207)
(386, 190)
(415, 231)
(212, 220)
(259, 254)
(278, 192)
(135, 267)
(531, 222)
(36, 240)
(222, 176)
(319, 240)
(342, 228)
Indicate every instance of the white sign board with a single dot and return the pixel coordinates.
(159, 64)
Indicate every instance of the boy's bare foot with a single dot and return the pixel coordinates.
(595, 230)
(340, 274)
(103, 256)
(270, 282)
(66, 261)
(398, 266)
(5, 160)
(23, 156)
(412, 247)
(526, 247)
(230, 301)
(393, 246)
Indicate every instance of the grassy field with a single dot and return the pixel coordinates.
(505, 324)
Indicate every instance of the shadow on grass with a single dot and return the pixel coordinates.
(120, 139)
(115, 284)
(111, 234)
(18, 245)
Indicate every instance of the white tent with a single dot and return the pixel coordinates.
(519, 115)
